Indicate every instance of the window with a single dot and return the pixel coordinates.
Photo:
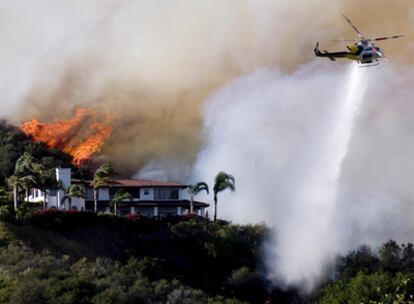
(173, 194)
(89, 193)
(160, 194)
(53, 192)
(112, 192)
(133, 191)
(165, 194)
(146, 191)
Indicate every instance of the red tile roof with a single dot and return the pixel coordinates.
(137, 183)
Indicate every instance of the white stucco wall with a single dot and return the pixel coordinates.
(79, 203)
(183, 194)
(52, 201)
(149, 196)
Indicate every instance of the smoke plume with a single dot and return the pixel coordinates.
(286, 147)
(232, 86)
(153, 64)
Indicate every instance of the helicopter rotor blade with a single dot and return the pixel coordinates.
(386, 38)
(345, 40)
(353, 26)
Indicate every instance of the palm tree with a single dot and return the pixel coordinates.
(27, 172)
(222, 182)
(28, 182)
(119, 196)
(14, 182)
(47, 181)
(102, 178)
(193, 190)
(72, 191)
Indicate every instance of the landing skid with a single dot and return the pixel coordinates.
(367, 65)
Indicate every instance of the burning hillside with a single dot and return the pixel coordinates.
(80, 136)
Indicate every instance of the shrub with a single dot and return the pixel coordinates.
(27, 209)
(7, 213)
(134, 217)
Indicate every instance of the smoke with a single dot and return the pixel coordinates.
(234, 86)
(282, 145)
(312, 160)
(151, 65)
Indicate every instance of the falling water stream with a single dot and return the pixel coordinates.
(319, 189)
(347, 112)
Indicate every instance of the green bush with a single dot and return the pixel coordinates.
(7, 213)
(160, 262)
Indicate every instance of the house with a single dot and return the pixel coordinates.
(149, 197)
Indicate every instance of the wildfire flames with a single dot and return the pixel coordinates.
(80, 136)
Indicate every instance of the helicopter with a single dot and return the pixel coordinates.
(363, 50)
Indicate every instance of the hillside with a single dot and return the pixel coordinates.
(210, 262)
(74, 257)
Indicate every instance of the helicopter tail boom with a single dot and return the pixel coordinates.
(332, 56)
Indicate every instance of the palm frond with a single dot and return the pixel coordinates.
(119, 196)
(76, 191)
(198, 187)
(224, 181)
(103, 176)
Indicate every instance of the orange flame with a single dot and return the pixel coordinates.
(80, 136)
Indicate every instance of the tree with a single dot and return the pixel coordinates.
(407, 258)
(119, 196)
(48, 177)
(103, 177)
(4, 198)
(27, 174)
(72, 191)
(390, 256)
(14, 182)
(362, 259)
(193, 190)
(222, 182)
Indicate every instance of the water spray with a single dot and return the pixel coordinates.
(347, 112)
(318, 193)
(284, 138)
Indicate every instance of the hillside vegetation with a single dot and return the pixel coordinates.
(75, 257)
